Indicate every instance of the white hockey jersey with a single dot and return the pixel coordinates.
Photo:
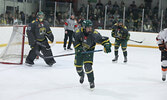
(162, 37)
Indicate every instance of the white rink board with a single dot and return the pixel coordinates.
(149, 38)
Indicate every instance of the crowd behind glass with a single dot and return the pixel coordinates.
(96, 13)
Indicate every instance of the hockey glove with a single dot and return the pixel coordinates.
(79, 51)
(107, 47)
(162, 47)
(50, 37)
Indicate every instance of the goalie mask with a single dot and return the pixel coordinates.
(40, 16)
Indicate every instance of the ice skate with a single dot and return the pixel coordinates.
(69, 49)
(163, 77)
(115, 59)
(125, 59)
(51, 63)
(92, 85)
(28, 63)
(82, 78)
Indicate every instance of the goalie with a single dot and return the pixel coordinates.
(38, 33)
(85, 39)
(162, 43)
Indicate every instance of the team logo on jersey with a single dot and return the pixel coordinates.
(42, 31)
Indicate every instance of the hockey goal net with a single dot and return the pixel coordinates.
(17, 47)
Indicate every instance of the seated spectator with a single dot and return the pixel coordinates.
(116, 15)
(155, 10)
(130, 22)
(155, 23)
(148, 27)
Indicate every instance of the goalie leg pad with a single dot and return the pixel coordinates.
(31, 56)
(47, 52)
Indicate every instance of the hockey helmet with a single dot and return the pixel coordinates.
(40, 16)
(87, 23)
(120, 21)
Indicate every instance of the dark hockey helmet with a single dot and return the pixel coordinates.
(87, 23)
(120, 21)
(40, 16)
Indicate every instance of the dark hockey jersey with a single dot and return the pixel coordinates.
(120, 32)
(88, 42)
(39, 31)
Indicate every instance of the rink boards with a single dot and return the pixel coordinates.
(149, 39)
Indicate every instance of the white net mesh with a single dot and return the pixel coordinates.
(17, 47)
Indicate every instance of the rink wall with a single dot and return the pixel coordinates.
(149, 38)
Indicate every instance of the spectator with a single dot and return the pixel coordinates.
(99, 5)
(130, 21)
(141, 6)
(116, 15)
(32, 17)
(122, 5)
(148, 26)
(155, 23)
(148, 3)
(155, 10)
(115, 6)
(133, 5)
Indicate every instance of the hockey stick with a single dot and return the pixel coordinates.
(136, 41)
(67, 54)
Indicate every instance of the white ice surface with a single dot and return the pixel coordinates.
(139, 79)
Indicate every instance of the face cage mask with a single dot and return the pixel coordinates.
(41, 18)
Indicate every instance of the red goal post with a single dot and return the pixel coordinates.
(17, 48)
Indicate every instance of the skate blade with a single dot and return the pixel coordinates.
(92, 89)
(29, 65)
(163, 79)
(114, 61)
(125, 62)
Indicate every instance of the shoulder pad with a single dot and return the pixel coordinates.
(95, 32)
(81, 29)
(77, 31)
(116, 24)
(33, 21)
(124, 27)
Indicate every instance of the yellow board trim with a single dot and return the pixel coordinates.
(130, 45)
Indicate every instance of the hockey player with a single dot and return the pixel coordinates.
(162, 43)
(85, 39)
(38, 33)
(69, 27)
(121, 35)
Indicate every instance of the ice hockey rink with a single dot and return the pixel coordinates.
(139, 79)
